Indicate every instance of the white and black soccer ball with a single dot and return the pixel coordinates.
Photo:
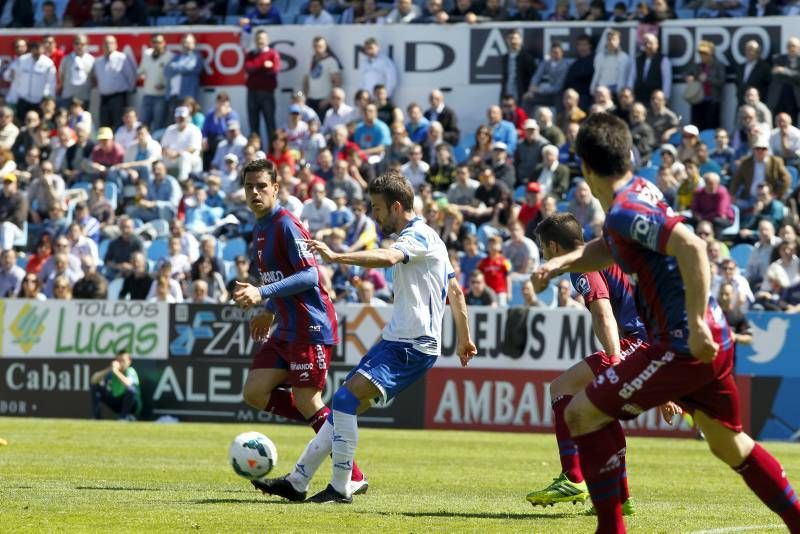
(252, 455)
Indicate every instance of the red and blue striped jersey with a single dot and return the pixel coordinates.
(612, 284)
(279, 252)
(637, 228)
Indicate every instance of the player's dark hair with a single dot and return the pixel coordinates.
(562, 229)
(257, 166)
(393, 187)
(604, 144)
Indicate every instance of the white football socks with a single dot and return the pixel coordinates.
(315, 453)
(345, 439)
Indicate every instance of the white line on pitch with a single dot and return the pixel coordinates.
(193, 412)
(739, 529)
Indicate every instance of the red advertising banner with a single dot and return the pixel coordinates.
(224, 56)
(519, 401)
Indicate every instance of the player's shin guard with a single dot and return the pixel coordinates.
(281, 402)
(567, 450)
(765, 476)
(314, 454)
(345, 438)
(600, 454)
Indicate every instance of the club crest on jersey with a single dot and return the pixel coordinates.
(645, 231)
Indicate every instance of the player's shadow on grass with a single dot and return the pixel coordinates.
(484, 515)
(239, 501)
(115, 488)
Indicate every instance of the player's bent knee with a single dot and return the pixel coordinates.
(255, 396)
(344, 401)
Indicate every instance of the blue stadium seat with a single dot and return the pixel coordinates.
(86, 186)
(648, 173)
(22, 261)
(655, 159)
(114, 288)
(734, 228)
(741, 254)
(161, 227)
(102, 248)
(112, 194)
(234, 247)
(708, 137)
(516, 291)
(470, 228)
(547, 298)
(562, 206)
(22, 240)
(675, 139)
(793, 171)
(519, 193)
(158, 249)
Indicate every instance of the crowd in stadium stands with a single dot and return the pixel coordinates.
(145, 203)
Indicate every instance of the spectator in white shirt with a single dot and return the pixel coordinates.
(729, 272)
(339, 113)
(74, 73)
(376, 69)
(324, 75)
(612, 66)
(403, 13)
(760, 257)
(115, 75)
(151, 74)
(8, 130)
(32, 77)
(80, 245)
(182, 143)
(785, 140)
(179, 262)
(415, 170)
(317, 210)
(233, 144)
(296, 128)
(317, 16)
(126, 134)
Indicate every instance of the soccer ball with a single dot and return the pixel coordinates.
(252, 455)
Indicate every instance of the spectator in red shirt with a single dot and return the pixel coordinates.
(713, 203)
(496, 268)
(106, 152)
(262, 65)
(531, 205)
(514, 114)
(51, 50)
(279, 152)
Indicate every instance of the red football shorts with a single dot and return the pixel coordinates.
(307, 364)
(600, 361)
(655, 374)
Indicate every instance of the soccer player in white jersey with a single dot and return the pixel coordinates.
(423, 281)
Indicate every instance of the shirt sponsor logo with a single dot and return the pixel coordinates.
(582, 285)
(270, 277)
(302, 249)
(645, 231)
(295, 366)
(629, 388)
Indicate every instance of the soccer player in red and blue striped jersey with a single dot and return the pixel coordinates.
(689, 358)
(608, 295)
(298, 353)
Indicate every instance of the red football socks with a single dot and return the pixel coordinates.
(601, 454)
(567, 450)
(765, 476)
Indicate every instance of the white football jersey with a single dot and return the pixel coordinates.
(420, 288)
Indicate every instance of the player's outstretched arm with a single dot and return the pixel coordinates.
(591, 257)
(690, 251)
(458, 306)
(604, 325)
(375, 258)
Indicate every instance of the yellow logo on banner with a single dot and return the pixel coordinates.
(28, 327)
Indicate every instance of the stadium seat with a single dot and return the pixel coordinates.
(675, 139)
(86, 186)
(161, 227)
(470, 228)
(22, 240)
(112, 194)
(741, 254)
(22, 261)
(230, 270)
(571, 192)
(519, 193)
(102, 248)
(158, 249)
(708, 138)
(547, 298)
(114, 288)
(517, 281)
(733, 229)
(562, 206)
(648, 173)
(793, 171)
(234, 247)
(655, 159)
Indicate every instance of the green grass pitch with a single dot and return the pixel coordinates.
(59, 475)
